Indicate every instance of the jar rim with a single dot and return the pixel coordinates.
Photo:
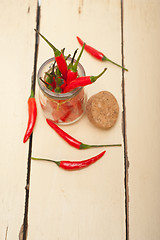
(55, 95)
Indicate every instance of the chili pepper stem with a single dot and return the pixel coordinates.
(47, 84)
(107, 59)
(94, 78)
(32, 94)
(45, 159)
(67, 56)
(71, 64)
(77, 61)
(86, 146)
(56, 51)
(48, 74)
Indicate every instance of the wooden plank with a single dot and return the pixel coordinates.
(17, 55)
(87, 204)
(142, 53)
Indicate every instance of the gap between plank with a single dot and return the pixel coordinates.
(6, 233)
(33, 84)
(126, 162)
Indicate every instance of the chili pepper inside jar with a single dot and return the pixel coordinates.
(62, 108)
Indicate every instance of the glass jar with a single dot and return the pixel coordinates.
(62, 108)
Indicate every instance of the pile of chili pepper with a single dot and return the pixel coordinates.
(61, 78)
(64, 76)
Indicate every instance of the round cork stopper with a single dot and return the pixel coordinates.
(102, 109)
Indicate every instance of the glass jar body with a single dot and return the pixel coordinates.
(62, 108)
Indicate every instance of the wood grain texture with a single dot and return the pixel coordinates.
(86, 204)
(90, 203)
(142, 53)
(17, 51)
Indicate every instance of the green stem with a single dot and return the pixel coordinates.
(45, 159)
(32, 93)
(74, 68)
(85, 146)
(44, 82)
(47, 84)
(75, 52)
(58, 89)
(67, 56)
(57, 53)
(94, 78)
(62, 51)
(107, 59)
(71, 63)
(53, 73)
(49, 75)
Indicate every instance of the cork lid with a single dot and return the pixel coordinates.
(102, 109)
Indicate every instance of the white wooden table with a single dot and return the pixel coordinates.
(118, 197)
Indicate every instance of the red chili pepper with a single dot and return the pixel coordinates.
(59, 57)
(74, 165)
(82, 81)
(72, 72)
(67, 112)
(97, 54)
(72, 141)
(32, 111)
(62, 65)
